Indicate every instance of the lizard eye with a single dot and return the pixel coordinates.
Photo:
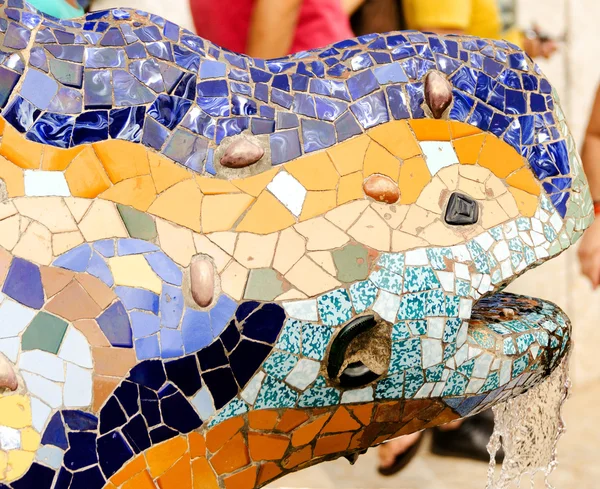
(462, 210)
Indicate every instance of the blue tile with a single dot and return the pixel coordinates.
(134, 298)
(164, 267)
(114, 323)
(195, 330)
(23, 283)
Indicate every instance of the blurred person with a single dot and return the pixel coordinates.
(589, 249)
(62, 9)
(273, 28)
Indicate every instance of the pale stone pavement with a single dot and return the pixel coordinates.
(578, 456)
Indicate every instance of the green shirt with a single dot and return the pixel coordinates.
(57, 8)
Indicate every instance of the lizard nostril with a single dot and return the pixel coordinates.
(382, 189)
(438, 93)
(202, 278)
(241, 153)
(8, 378)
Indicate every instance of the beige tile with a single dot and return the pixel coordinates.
(404, 242)
(321, 234)
(433, 195)
(393, 215)
(416, 220)
(346, 215)
(134, 271)
(492, 214)
(371, 230)
(176, 241)
(35, 245)
(64, 242)
(292, 294)
(225, 240)
(9, 232)
(310, 278)
(7, 209)
(206, 247)
(102, 221)
(472, 188)
(233, 280)
(474, 172)
(449, 176)
(290, 248)
(324, 260)
(78, 207)
(52, 212)
(255, 250)
(494, 187)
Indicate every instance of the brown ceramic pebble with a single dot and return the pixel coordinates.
(8, 378)
(382, 189)
(202, 277)
(241, 153)
(438, 93)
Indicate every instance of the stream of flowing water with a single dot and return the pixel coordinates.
(528, 427)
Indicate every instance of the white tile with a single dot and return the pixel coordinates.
(485, 240)
(417, 257)
(425, 390)
(482, 366)
(40, 413)
(10, 347)
(537, 238)
(50, 455)
(303, 374)
(474, 385)
(541, 252)
(435, 327)
(506, 269)
(40, 183)
(14, 318)
(203, 403)
(78, 386)
(438, 389)
(438, 155)
(510, 230)
(432, 352)
(42, 363)
(463, 332)
(10, 439)
(505, 371)
(288, 191)
(556, 222)
(46, 390)
(461, 253)
(358, 395)
(501, 251)
(387, 306)
(464, 308)
(76, 349)
(474, 351)
(486, 284)
(250, 393)
(447, 280)
(462, 271)
(305, 310)
(526, 238)
(536, 225)
(461, 355)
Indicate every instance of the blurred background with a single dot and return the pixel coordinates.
(575, 72)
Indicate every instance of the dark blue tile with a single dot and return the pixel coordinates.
(90, 479)
(136, 433)
(8, 80)
(52, 129)
(80, 420)
(162, 433)
(54, 434)
(113, 453)
(212, 356)
(24, 283)
(264, 324)
(281, 98)
(230, 336)
(537, 103)
(169, 110)
(246, 359)
(82, 451)
(64, 479)
(481, 117)
(37, 477)
(285, 146)
(150, 374)
(398, 102)
(111, 416)
(128, 394)
(21, 114)
(222, 385)
(371, 110)
(114, 323)
(178, 413)
(465, 79)
(184, 374)
(127, 123)
(346, 126)
(362, 84)
(317, 135)
(91, 127)
(155, 134)
(518, 61)
(516, 102)
(560, 156)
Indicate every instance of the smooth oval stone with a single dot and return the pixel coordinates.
(438, 93)
(382, 189)
(202, 277)
(241, 153)
(8, 378)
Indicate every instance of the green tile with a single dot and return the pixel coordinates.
(351, 263)
(45, 333)
(138, 224)
(263, 285)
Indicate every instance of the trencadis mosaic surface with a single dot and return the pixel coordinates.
(217, 269)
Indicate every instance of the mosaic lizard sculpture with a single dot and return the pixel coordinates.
(216, 270)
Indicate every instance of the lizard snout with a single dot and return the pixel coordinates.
(8, 377)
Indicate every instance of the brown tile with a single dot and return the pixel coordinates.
(103, 389)
(298, 457)
(412, 426)
(363, 412)
(101, 293)
(332, 444)
(93, 333)
(268, 471)
(220, 434)
(446, 416)
(306, 433)
(73, 303)
(55, 279)
(204, 476)
(412, 408)
(267, 447)
(113, 362)
(263, 419)
(341, 421)
(232, 456)
(291, 419)
(389, 411)
(242, 480)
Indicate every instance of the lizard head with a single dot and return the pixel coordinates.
(261, 265)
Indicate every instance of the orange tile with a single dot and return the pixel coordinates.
(211, 186)
(233, 456)
(245, 479)
(266, 216)
(263, 419)
(131, 468)
(92, 332)
(341, 421)
(166, 173)
(101, 293)
(267, 472)
(267, 447)
(197, 445)
(332, 444)
(499, 157)
(73, 303)
(177, 477)
(446, 416)
(180, 204)
(362, 412)
(430, 130)
(314, 172)
(164, 455)
(13, 178)
(526, 202)
(388, 412)
(462, 129)
(298, 457)
(468, 149)
(138, 192)
(350, 188)
(256, 184)
(110, 485)
(348, 157)
(22, 152)
(86, 176)
(291, 418)
(55, 279)
(122, 159)
(318, 203)
(380, 161)
(524, 179)
(397, 138)
(104, 387)
(307, 432)
(412, 426)
(220, 212)
(57, 159)
(219, 435)
(204, 476)
(414, 176)
(139, 481)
